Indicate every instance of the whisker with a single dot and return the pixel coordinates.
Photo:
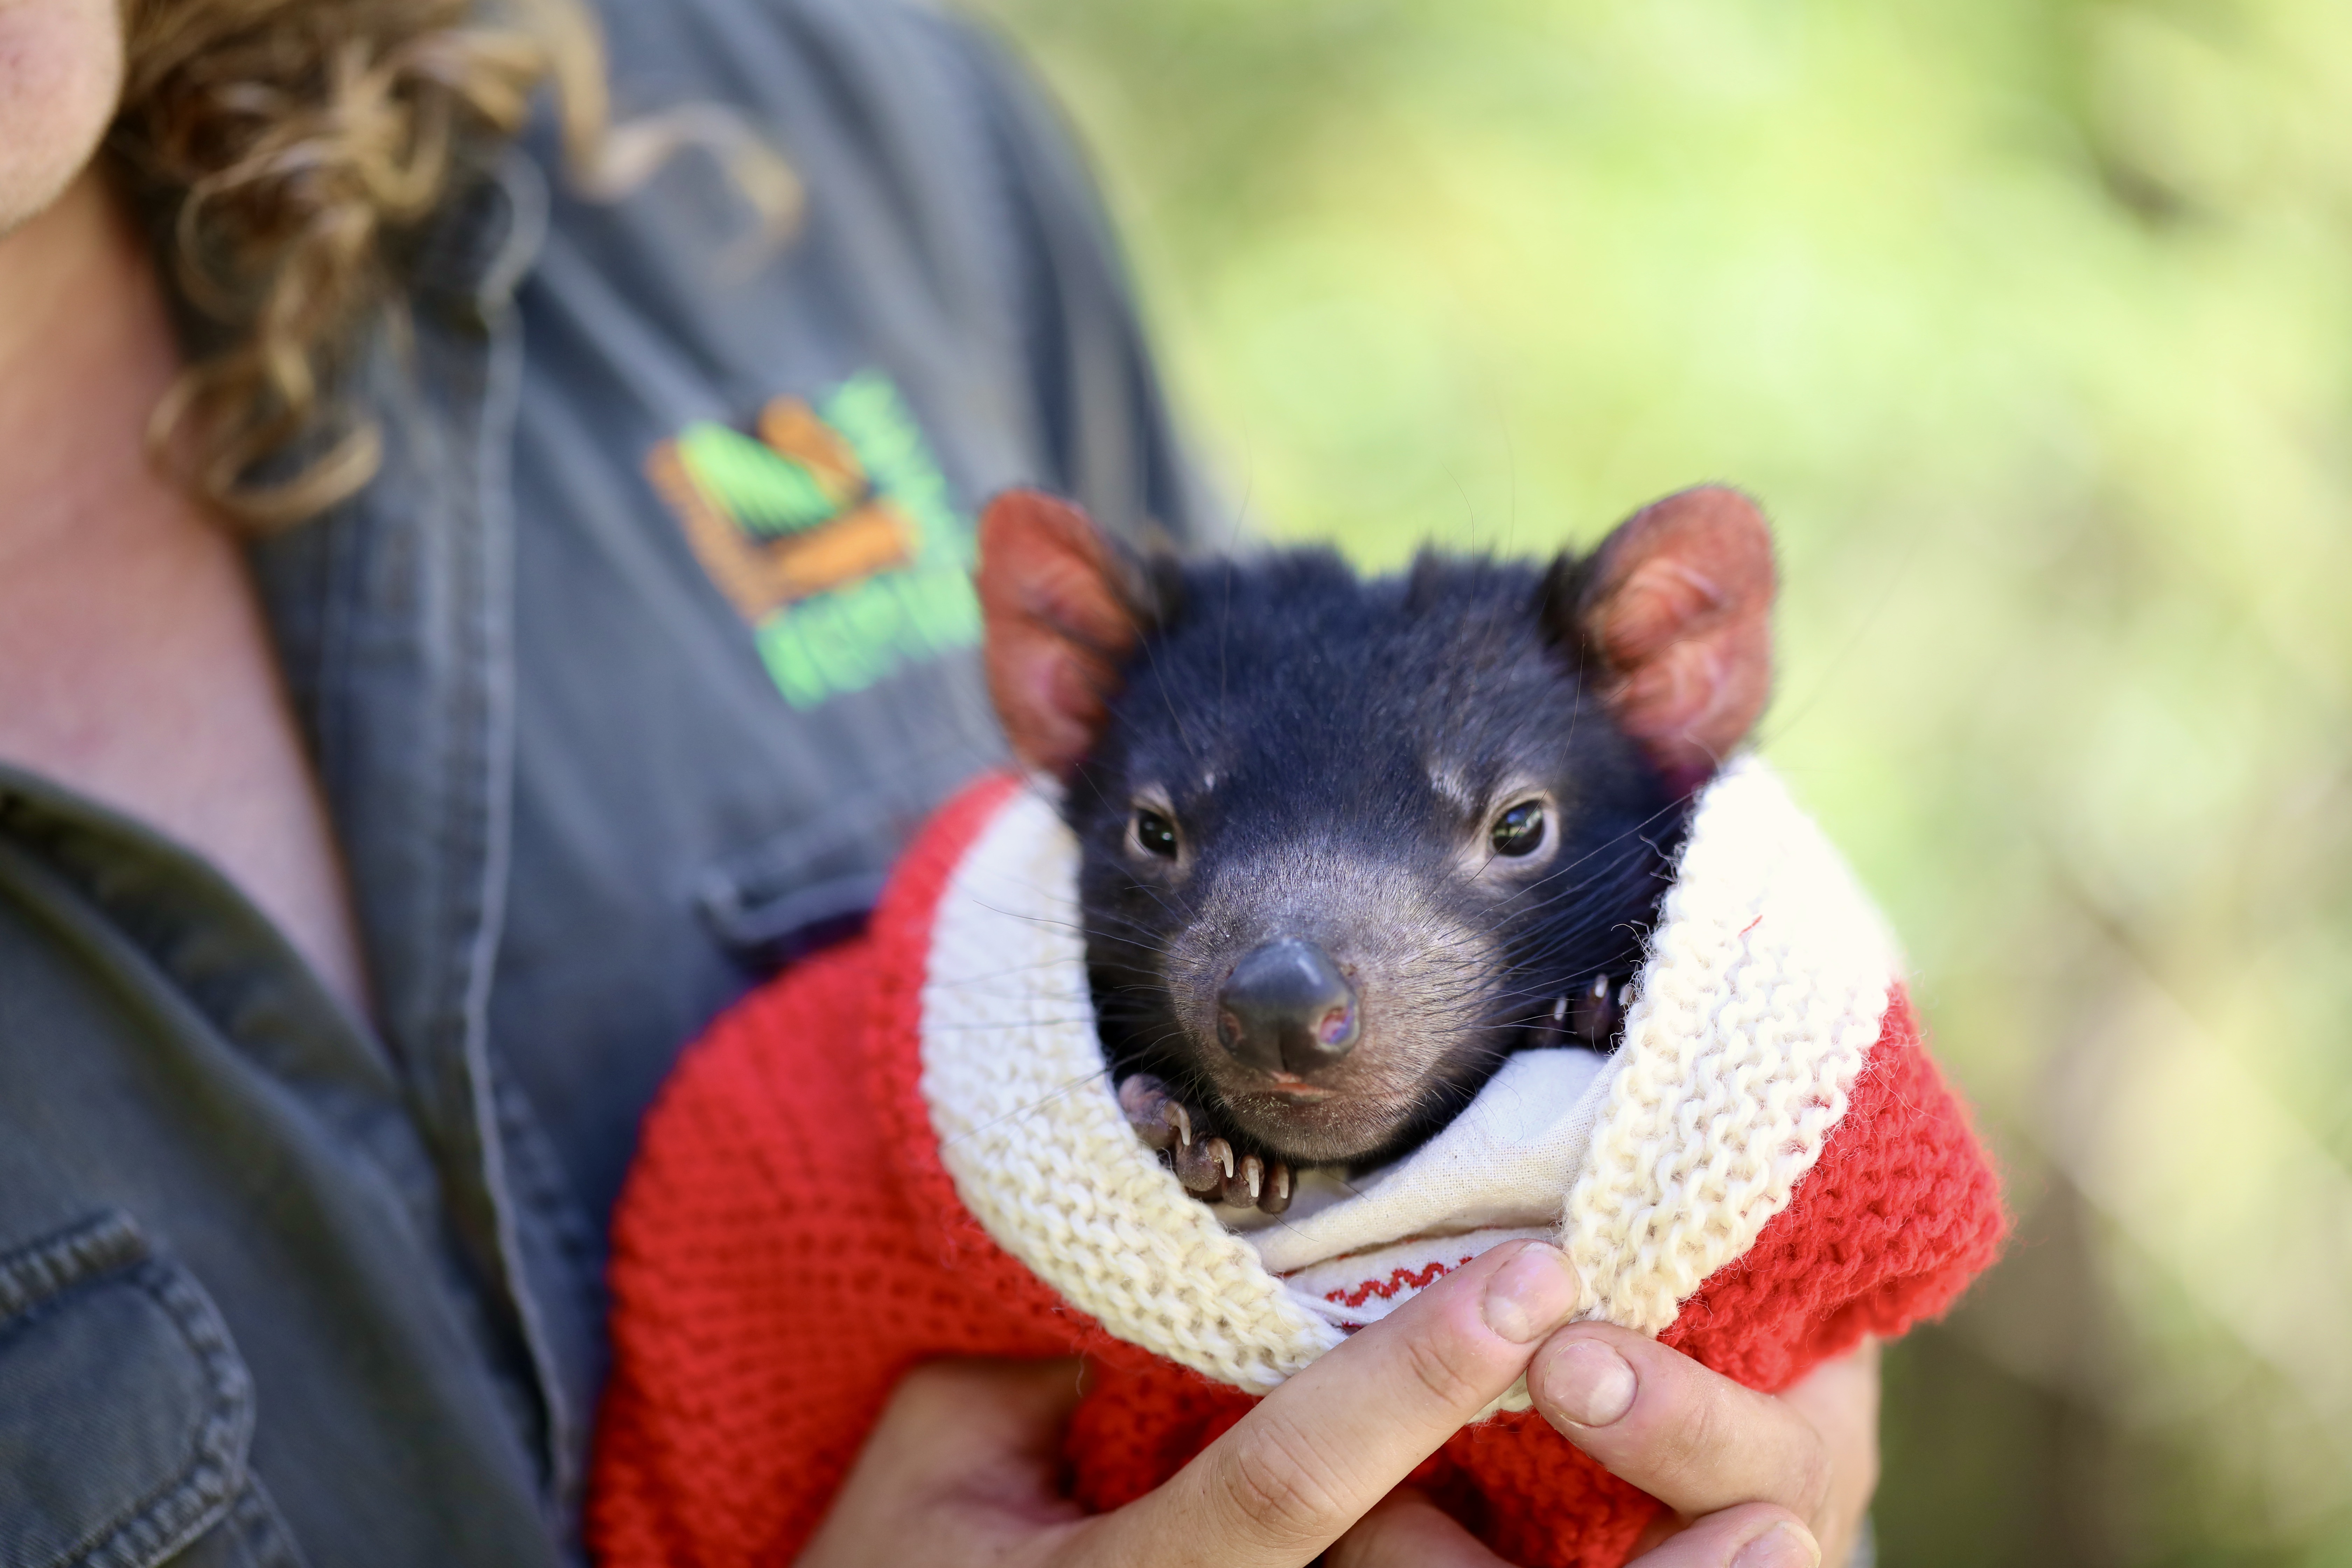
(1039, 1103)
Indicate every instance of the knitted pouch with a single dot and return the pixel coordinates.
(1767, 1169)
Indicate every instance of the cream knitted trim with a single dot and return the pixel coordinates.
(1765, 985)
(1763, 993)
(1033, 1137)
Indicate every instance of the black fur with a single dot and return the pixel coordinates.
(1296, 715)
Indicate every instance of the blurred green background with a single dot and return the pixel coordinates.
(2032, 327)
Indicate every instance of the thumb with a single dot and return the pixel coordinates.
(982, 1400)
(965, 1450)
(955, 1427)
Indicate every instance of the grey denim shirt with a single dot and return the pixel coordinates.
(625, 679)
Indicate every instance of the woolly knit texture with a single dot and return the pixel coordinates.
(1030, 1129)
(1763, 991)
(906, 1147)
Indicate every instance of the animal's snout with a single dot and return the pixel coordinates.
(1287, 1009)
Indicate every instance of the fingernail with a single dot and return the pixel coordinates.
(1587, 1383)
(1783, 1546)
(1532, 1294)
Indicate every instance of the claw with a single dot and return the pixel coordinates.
(1277, 1197)
(1253, 1177)
(1198, 1169)
(1594, 1015)
(1219, 1151)
(1145, 1101)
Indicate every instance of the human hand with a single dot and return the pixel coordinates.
(1755, 1480)
(963, 1467)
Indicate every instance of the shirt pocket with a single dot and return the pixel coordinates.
(126, 1413)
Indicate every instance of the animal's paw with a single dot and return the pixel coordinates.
(1208, 1167)
(1595, 1014)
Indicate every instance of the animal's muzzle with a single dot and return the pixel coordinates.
(1287, 1009)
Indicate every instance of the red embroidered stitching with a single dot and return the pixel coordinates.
(1397, 1280)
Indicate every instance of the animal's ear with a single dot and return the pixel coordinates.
(1061, 611)
(1674, 611)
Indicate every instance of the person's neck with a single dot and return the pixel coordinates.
(135, 664)
(39, 259)
(79, 312)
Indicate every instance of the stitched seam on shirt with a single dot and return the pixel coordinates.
(262, 1529)
(153, 1527)
(54, 1264)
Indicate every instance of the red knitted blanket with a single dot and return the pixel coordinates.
(792, 1241)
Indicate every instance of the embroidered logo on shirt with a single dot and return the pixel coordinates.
(831, 532)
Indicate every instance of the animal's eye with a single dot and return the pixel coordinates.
(1520, 830)
(1155, 833)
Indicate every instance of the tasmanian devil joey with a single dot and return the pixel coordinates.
(1347, 842)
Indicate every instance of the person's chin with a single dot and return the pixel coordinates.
(60, 80)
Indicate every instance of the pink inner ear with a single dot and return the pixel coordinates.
(1057, 625)
(1679, 606)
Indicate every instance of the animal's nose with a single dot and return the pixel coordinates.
(1287, 1009)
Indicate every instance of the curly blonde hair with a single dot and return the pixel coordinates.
(292, 144)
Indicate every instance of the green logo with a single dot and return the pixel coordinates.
(830, 530)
